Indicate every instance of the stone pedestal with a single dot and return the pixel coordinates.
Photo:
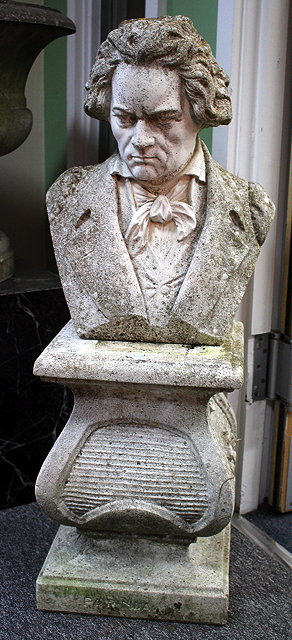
(143, 468)
(137, 577)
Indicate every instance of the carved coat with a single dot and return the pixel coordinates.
(98, 277)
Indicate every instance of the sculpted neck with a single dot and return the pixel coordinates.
(158, 189)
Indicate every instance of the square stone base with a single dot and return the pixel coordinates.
(136, 577)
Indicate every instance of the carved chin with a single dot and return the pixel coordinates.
(145, 172)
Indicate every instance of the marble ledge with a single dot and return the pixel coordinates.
(70, 359)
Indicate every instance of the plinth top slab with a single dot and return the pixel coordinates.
(68, 358)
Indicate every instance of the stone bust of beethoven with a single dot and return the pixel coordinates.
(158, 242)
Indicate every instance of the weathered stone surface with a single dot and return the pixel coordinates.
(154, 246)
(69, 359)
(149, 447)
(98, 277)
(158, 243)
(137, 578)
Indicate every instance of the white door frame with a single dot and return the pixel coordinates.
(83, 131)
(251, 149)
(251, 46)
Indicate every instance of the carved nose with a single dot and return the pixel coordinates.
(142, 137)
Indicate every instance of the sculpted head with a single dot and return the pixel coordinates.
(157, 83)
(171, 43)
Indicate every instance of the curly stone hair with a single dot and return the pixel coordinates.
(170, 42)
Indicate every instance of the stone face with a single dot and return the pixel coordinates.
(137, 578)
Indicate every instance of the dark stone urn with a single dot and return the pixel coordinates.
(25, 29)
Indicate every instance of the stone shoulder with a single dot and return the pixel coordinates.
(68, 185)
(261, 207)
(262, 211)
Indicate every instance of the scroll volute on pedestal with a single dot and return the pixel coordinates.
(25, 30)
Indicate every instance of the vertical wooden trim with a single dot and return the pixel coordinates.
(155, 8)
(224, 44)
(258, 78)
(82, 131)
(282, 466)
(254, 153)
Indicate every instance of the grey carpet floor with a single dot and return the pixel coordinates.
(277, 525)
(260, 592)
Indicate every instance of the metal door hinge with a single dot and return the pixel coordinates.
(272, 374)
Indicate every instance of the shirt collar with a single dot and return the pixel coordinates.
(195, 167)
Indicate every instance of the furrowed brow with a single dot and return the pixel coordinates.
(121, 109)
(164, 112)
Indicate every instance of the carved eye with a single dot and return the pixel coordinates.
(126, 119)
(162, 120)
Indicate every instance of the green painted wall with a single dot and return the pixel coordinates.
(55, 113)
(55, 61)
(204, 14)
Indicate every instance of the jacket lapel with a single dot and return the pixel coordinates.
(97, 250)
(222, 246)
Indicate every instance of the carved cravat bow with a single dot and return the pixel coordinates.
(160, 209)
